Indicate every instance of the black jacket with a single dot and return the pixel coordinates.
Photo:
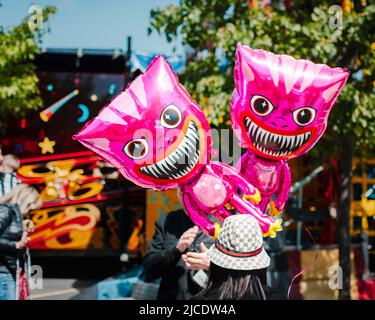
(8, 181)
(11, 229)
(163, 260)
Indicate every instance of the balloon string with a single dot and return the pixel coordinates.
(309, 266)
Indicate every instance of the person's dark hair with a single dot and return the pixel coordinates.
(229, 284)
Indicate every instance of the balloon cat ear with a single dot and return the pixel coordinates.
(255, 68)
(97, 135)
(161, 75)
(338, 78)
(112, 122)
(243, 74)
(157, 79)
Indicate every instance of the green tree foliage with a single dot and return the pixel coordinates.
(19, 45)
(321, 31)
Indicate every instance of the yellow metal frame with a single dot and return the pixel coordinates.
(364, 208)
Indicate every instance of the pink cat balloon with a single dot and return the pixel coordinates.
(158, 137)
(279, 110)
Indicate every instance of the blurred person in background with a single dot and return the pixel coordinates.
(177, 255)
(8, 177)
(14, 206)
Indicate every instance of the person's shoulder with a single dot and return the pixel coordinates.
(5, 211)
(5, 208)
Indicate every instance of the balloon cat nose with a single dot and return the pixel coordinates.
(170, 140)
(278, 122)
(162, 146)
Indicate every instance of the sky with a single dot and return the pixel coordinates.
(101, 24)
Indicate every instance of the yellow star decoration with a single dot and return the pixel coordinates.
(47, 145)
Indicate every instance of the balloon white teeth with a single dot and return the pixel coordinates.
(273, 144)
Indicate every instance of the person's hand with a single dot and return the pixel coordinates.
(187, 239)
(23, 242)
(28, 225)
(197, 260)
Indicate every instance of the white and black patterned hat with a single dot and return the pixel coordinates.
(239, 245)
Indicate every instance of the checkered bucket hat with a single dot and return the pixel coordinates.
(239, 245)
